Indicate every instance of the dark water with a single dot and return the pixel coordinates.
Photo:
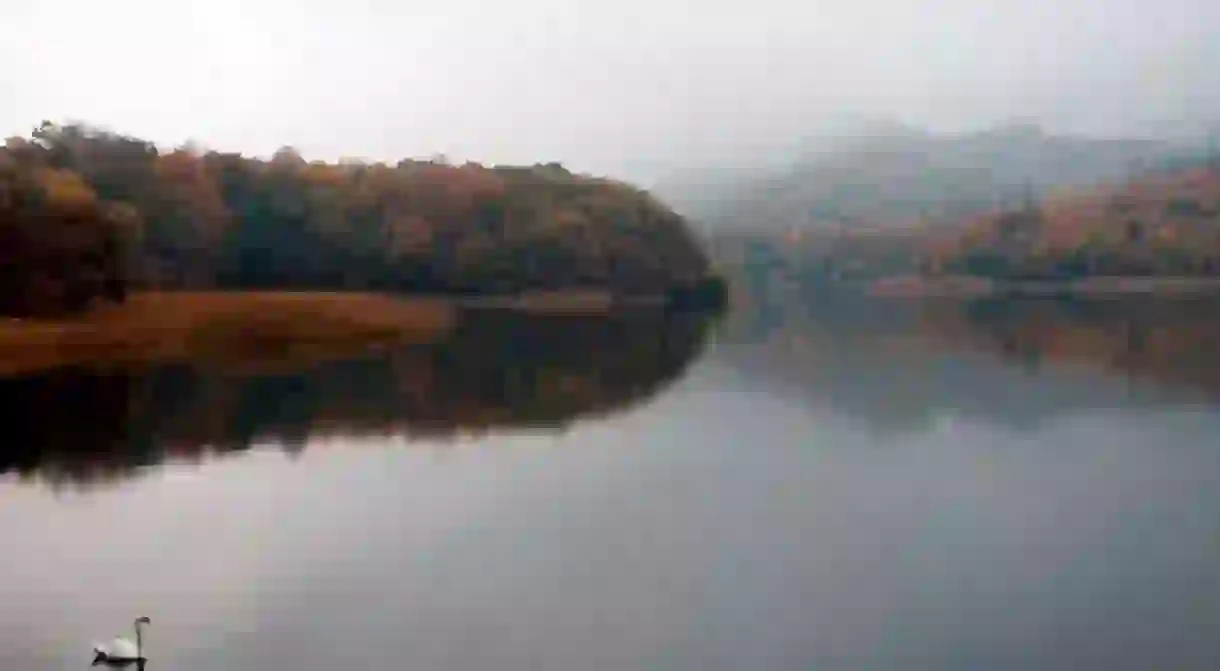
(994, 486)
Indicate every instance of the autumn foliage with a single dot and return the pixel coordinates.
(1161, 224)
(59, 246)
(86, 214)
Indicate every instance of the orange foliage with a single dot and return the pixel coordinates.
(65, 189)
(1175, 212)
(223, 220)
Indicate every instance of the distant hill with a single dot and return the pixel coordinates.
(1161, 224)
(889, 174)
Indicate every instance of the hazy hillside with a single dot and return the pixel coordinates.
(891, 174)
(1157, 223)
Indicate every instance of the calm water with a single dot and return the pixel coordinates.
(982, 487)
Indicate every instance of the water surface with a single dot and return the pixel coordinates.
(999, 487)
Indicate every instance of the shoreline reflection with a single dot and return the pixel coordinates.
(497, 372)
(899, 365)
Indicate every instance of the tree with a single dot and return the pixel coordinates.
(191, 220)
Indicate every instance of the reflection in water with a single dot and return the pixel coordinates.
(756, 526)
(1165, 341)
(900, 365)
(497, 371)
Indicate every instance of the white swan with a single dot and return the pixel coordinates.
(121, 651)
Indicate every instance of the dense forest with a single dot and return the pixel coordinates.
(88, 215)
(1165, 223)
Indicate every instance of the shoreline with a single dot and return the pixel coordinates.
(219, 327)
(238, 328)
(1110, 287)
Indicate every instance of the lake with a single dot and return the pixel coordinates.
(873, 485)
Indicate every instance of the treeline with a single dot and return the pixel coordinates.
(88, 215)
(1165, 224)
(1161, 224)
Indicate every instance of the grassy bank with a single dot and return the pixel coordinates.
(223, 327)
(267, 328)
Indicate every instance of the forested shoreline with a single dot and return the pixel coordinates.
(1156, 234)
(88, 215)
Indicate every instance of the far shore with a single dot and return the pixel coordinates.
(965, 287)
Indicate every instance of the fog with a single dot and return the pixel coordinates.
(633, 88)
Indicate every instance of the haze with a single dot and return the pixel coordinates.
(633, 88)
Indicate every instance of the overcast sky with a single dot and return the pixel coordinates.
(629, 87)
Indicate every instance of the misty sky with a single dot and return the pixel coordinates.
(631, 88)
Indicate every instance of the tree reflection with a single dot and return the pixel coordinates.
(497, 372)
(899, 364)
(1168, 342)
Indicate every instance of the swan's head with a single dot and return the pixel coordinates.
(143, 620)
